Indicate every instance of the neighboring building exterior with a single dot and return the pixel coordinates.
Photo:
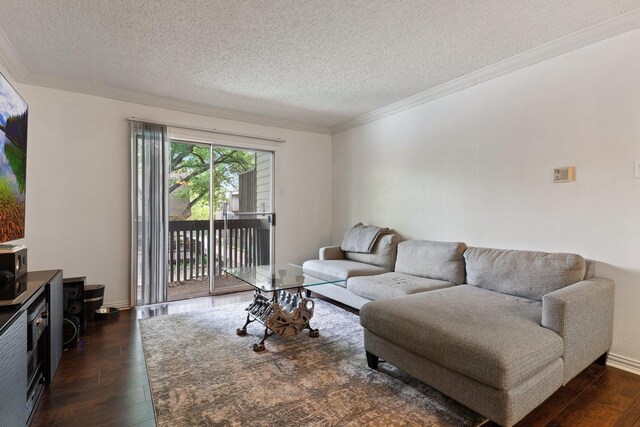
(263, 181)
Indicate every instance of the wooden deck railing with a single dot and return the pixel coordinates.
(246, 244)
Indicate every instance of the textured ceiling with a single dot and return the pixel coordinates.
(315, 62)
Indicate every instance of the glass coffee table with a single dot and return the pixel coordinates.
(279, 303)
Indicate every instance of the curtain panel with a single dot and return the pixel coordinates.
(150, 151)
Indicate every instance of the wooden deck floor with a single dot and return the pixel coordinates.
(103, 382)
(200, 288)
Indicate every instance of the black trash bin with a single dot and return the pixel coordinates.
(93, 299)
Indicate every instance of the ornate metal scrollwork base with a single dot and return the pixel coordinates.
(284, 314)
(290, 323)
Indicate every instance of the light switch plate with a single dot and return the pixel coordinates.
(636, 168)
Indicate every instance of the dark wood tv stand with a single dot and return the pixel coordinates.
(16, 406)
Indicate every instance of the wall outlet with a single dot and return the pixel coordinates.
(636, 168)
(565, 174)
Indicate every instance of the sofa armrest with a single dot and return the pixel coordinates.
(331, 252)
(582, 314)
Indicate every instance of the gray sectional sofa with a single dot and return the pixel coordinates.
(498, 330)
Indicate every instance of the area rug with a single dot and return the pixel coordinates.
(201, 373)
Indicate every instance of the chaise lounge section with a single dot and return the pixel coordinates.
(524, 324)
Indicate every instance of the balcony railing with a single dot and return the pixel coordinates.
(246, 244)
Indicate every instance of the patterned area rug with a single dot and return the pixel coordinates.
(202, 373)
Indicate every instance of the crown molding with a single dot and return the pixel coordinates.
(577, 40)
(167, 103)
(19, 72)
(9, 58)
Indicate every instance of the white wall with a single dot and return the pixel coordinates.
(476, 166)
(78, 185)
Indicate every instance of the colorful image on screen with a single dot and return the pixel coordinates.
(13, 162)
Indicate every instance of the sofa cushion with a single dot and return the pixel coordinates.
(488, 336)
(340, 268)
(525, 274)
(383, 253)
(437, 260)
(389, 285)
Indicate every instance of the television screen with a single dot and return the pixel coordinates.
(13, 162)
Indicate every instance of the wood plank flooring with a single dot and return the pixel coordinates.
(103, 381)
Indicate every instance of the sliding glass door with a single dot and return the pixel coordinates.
(189, 220)
(244, 219)
(196, 208)
(208, 184)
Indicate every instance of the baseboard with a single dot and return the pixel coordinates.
(623, 363)
(118, 304)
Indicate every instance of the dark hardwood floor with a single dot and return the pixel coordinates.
(103, 381)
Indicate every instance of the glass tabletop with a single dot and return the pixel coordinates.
(287, 276)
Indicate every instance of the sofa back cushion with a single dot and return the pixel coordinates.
(524, 274)
(435, 260)
(383, 253)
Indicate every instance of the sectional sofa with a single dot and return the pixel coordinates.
(498, 330)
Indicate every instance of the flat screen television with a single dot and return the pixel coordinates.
(13, 162)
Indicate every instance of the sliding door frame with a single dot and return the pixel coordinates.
(237, 144)
(198, 135)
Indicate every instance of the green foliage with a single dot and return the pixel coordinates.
(16, 130)
(200, 210)
(191, 175)
(18, 162)
(6, 193)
